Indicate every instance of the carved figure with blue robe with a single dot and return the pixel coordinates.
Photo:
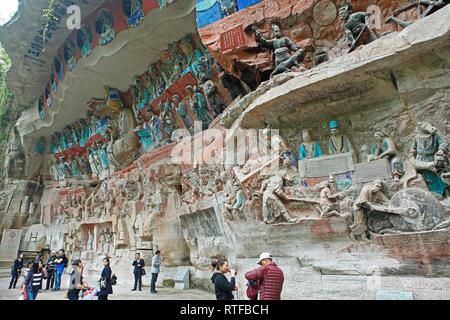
(84, 41)
(198, 106)
(104, 25)
(59, 69)
(54, 87)
(40, 146)
(74, 167)
(144, 133)
(133, 10)
(69, 55)
(309, 148)
(427, 145)
(193, 57)
(155, 129)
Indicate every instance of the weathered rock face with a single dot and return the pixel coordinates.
(339, 225)
(312, 24)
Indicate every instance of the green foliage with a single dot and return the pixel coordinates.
(7, 113)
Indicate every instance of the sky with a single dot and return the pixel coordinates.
(7, 10)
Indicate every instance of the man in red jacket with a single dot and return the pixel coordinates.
(269, 277)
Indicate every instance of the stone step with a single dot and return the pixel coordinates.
(6, 264)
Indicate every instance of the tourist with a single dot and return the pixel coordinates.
(223, 288)
(105, 281)
(76, 280)
(138, 271)
(156, 263)
(50, 268)
(60, 264)
(16, 269)
(25, 272)
(33, 281)
(269, 276)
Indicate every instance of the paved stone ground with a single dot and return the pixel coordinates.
(120, 292)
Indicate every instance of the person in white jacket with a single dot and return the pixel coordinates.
(156, 266)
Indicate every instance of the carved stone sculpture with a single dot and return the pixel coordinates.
(429, 149)
(309, 148)
(90, 241)
(210, 89)
(198, 106)
(385, 148)
(180, 107)
(281, 46)
(431, 7)
(328, 196)
(355, 24)
(370, 194)
(338, 142)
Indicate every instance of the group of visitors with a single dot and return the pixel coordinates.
(35, 273)
(264, 283)
(139, 271)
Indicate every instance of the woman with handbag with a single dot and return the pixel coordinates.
(105, 281)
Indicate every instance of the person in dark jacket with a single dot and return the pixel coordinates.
(269, 277)
(105, 281)
(33, 281)
(50, 268)
(61, 262)
(138, 265)
(16, 269)
(223, 288)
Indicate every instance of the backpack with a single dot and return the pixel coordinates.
(113, 280)
(252, 290)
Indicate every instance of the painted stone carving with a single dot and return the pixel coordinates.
(59, 68)
(355, 25)
(273, 195)
(228, 7)
(198, 106)
(84, 41)
(371, 194)
(282, 46)
(210, 89)
(167, 118)
(180, 107)
(328, 197)
(90, 241)
(69, 55)
(338, 142)
(385, 148)
(309, 148)
(133, 10)
(104, 26)
(428, 152)
(431, 7)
